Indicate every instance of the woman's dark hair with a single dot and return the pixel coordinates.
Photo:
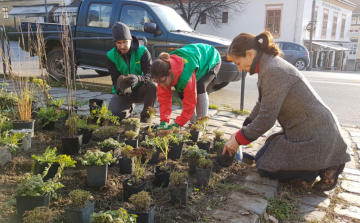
(244, 42)
(160, 67)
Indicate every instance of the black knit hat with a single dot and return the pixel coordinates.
(120, 31)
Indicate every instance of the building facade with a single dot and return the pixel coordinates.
(354, 55)
(289, 20)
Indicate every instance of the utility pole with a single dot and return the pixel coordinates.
(46, 12)
(311, 36)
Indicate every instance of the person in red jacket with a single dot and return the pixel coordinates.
(189, 69)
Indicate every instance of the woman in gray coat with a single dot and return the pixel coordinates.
(310, 143)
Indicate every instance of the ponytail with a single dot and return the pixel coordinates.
(268, 46)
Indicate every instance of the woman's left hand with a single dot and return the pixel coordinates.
(231, 147)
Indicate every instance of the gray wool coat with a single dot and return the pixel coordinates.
(311, 137)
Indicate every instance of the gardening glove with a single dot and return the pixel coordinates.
(133, 80)
(173, 125)
(163, 125)
(247, 121)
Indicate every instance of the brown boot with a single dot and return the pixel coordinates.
(329, 178)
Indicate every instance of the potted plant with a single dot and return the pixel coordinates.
(23, 138)
(131, 124)
(120, 216)
(151, 111)
(33, 192)
(72, 144)
(81, 206)
(95, 104)
(218, 137)
(194, 154)
(8, 100)
(125, 161)
(13, 140)
(136, 183)
(163, 170)
(131, 138)
(204, 143)
(195, 134)
(109, 144)
(39, 215)
(224, 160)
(50, 160)
(142, 207)
(178, 188)
(176, 143)
(203, 172)
(96, 167)
(103, 116)
(49, 116)
(110, 131)
(85, 129)
(203, 123)
(150, 143)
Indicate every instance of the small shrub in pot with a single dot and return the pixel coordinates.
(131, 124)
(203, 172)
(39, 215)
(131, 138)
(102, 116)
(195, 134)
(49, 116)
(120, 216)
(178, 188)
(204, 143)
(125, 162)
(81, 206)
(144, 210)
(109, 144)
(86, 129)
(194, 154)
(150, 143)
(224, 160)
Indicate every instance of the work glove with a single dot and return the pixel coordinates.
(163, 125)
(247, 121)
(133, 80)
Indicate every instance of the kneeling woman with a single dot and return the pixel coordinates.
(310, 143)
(189, 69)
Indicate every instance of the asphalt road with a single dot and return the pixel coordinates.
(339, 91)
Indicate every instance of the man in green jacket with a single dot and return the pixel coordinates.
(130, 59)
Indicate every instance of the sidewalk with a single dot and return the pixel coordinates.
(343, 203)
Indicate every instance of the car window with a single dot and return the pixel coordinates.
(288, 46)
(135, 17)
(99, 15)
(301, 48)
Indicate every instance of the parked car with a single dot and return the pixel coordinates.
(295, 54)
(154, 23)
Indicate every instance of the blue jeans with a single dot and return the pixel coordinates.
(306, 175)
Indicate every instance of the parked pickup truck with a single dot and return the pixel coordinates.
(150, 22)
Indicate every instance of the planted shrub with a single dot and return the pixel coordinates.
(195, 127)
(103, 114)
(178, 179)
(194, 151)
(151, 111)
(126, 151)
(220, 145)
(39, 215)
(218, 135)
(120, 216)
(132, 121)
(82, 124)
(141, 201)
(130, 135)
(49, 114)
(203, 123)
(205, 163)
(139, 169)
(110, 143)
(97, 158)
(79, 198)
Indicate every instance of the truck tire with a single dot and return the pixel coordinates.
(102, 73)
(55, 65)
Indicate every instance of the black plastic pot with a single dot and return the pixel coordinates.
(145, 217)
(179, 194)
(125, 165)
(94, 103)
(130, 190)
(224, 160)
(162, 179)
(39, 169)
(87, 135)
(204, 145)
(129, 127)
(80, 216)
(24, 125)
(96, 175)
(28, 203)
(154, 158)
(216, 140)
(71, 145)
(195, 135)
(49, 126)
(175, 150)
(193, 163)
(132, 142)
(203, 176)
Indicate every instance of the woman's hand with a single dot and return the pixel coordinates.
(233, 136)
(231, 147)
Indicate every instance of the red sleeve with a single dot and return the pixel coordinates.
(165, 100)
(240, 138)
(189, 102)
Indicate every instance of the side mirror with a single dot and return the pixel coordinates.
(150, 27)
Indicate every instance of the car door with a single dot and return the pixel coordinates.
(289, 51)
(97, 19)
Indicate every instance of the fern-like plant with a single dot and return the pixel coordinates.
(141, 201)
(49, 114)
(103, 114)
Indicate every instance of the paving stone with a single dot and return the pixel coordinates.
(255, 177)
(254, 204)
(266, 190)
(235, 216)
(226, 113)
(352, 177)
(78, 92)
(358, 146)
(355, 134)
(212, 112)
(304, 208)
(351, 198)
(5, 155)
(356, 139)
(315, 201)
(349, 211)
(235, 124)
(61, 95)
(314, 216)
(221, 118)
(351, 186)
(352, 171)
(216, 123)
(175, 107)
(177, 111)
(228, 130)
(211, 129)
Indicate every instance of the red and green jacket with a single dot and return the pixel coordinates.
(189, 64)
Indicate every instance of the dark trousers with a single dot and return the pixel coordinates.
(122, 106)
(306, 175)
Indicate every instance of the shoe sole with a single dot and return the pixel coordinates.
(340, 170)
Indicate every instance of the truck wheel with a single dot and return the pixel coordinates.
(55, 64)
(102, 73)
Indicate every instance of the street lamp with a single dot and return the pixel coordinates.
(311, 36)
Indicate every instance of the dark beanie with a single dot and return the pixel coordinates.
(120, 31)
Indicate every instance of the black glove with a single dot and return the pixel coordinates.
(247, 121)
(133, 80)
